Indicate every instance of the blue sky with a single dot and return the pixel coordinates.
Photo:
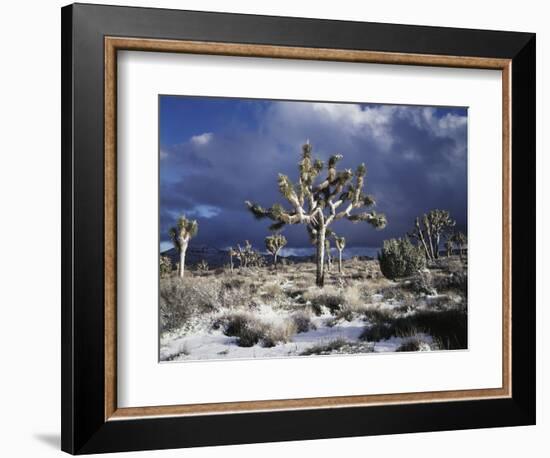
(215, 153)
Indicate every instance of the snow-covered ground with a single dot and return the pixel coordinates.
(205, 343)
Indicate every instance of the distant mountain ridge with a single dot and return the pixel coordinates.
(216, 257)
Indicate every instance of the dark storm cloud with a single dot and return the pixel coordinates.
(415, 157)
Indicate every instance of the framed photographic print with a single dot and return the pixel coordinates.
(282, 228)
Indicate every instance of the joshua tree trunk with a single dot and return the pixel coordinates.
(339, 261)
(275, 259)
(437, 246)
(431, 245)
(182, 260)
(320, 281)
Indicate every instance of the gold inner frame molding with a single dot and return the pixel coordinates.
(114, 44)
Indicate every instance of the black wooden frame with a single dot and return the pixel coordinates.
(84, 429)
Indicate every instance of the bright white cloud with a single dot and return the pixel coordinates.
(163, 154)
(204, 211)
(376, 122)
(202, 139)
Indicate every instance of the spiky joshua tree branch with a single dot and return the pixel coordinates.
(180, 234)
(317, 205)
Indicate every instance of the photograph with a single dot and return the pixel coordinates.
(293, 228)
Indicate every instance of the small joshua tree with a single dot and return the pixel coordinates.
(449, 246)
(248, 256)
(460, 239)
(202, 266)
(243, 254)
(232, 253)
(317, 206)
(340, 243)
(181, 233)
(274, 244)
(428, 231)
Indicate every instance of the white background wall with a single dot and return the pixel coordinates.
(30, 226)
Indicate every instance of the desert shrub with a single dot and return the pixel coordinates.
(457, 281)
(302, 320)
(271, 291)
(236, 298)
(275, 333)
(242, 325)
(449, 265)
(448, 328)
(377, 332)
(400, 258)
(325, 348)
(414, 344)
(349, 311)
(353, 297)
(180, 299)
(175, 354)
(378, 315)
(339, 346)
(334, 299)
(392, 293)
(422, 283)
(296, 295)
(165, 266)
(345, 314)
(327, 297)
(250, 330)
(233, 283)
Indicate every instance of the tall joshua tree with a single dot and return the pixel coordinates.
(181, 233)
(317, 206)
(340, 243)
(274, 244)
(429, 230)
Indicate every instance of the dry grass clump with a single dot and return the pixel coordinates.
(415, 344)
(181, 299)
(250, 330)
(271, 291)
(325, 348)
(338, 346)
(455, 281)
(275, 333)
(233, 283)
(180, 351)
(302, 321)
(332, 298)
(378, 314)
(448, 328)
(423, 283)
